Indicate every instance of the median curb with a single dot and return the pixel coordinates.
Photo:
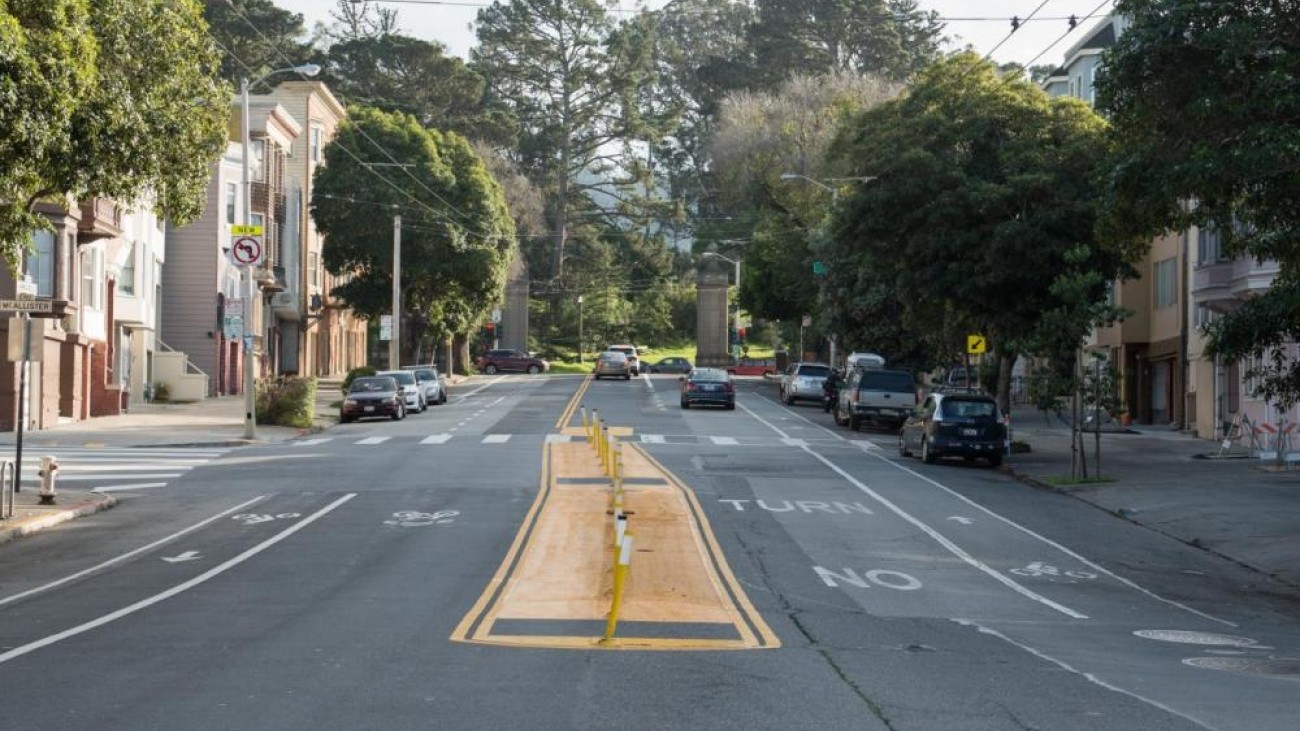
(31, 519)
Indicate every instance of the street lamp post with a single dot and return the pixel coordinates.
(250, 301)
(736, 262)
(580, 330)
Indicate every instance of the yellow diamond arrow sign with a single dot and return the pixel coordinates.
(976, 344)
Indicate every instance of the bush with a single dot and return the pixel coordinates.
(356, 373)
(288, 401)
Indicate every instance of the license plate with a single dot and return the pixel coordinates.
(709, 388)
(370, 408)
(970, 432)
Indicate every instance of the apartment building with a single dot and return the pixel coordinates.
(318, 335)
(1148, 348)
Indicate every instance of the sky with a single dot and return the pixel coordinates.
(450, 23)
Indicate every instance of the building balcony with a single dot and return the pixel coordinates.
(1211, 286)
(1251, 277)
(101, 218)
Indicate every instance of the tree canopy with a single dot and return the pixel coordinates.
(980, 220)
(456, 229)
(124, 103)
(1205, 103)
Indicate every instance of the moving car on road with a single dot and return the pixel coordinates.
(803, 381)
(671, 364)
(430, 381)
(410, 389)
(371, 396)
(955, 424)
(613, 364)
(708, 386)
(508, 360)
(633, 357)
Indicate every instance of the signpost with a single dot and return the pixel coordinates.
(385, 327)
(976, 344)
(246, 252)
(20, 349)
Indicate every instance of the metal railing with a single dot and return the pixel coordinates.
(189, 364)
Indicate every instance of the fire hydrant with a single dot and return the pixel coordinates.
(49, 470)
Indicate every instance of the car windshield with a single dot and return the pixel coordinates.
(891, 381)
(406, 378)
(372, 385)
(708, 374)
(613, 356)
(426, 374)
(969, 407)
(627, 351)
(813, 371)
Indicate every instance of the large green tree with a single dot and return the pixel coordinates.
(982, 218)
(457, 232)
(127, 105)
(1205, 102)
(255, 36)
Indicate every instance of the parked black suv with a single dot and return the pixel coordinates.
(958, 424)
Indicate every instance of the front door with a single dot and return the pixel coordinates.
(1160, 372)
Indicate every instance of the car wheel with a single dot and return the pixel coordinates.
(789, 400)
(627, 378)
(399, 414)
(534, 370)
(927, 456)
(686, 404)
(490, 369)
(903, 451)
(855, 423)
(995, 461)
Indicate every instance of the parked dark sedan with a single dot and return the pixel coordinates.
(955, 424)
(708, 386)
(373, 396)
(674, 364)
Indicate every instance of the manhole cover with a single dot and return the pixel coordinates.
(1194, 638)
(1286, 666)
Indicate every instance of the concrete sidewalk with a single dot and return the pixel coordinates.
(1242, 509)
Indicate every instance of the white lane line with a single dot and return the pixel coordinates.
(496, 439)
(724, 441)
(436, 439)
(64, 469)
(373, 440)
(935, 535)
(132, 486)
(116, 476)
(179, 588)
(1063, 549)
(312, 442)
(1087, 676)
(942, 540)
(790, 442)
(480, 388)
(132, 553)
(648, 383)
(652, 438)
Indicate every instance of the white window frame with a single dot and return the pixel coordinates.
(316, 137)
(92, 278)
(126, 280)
(232, 203)
(1165, 282)
(39, 262)
(313, 269)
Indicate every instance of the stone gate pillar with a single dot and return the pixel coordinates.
(711, 346)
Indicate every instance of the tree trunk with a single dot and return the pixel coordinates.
(1006, 362)
(461, 354)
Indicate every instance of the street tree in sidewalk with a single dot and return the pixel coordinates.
(1204, 105)
(457, 233)
(121, 101)
(986, 201)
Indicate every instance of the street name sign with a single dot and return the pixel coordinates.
(27, 305)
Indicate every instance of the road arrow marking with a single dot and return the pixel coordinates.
(187, 556)
(960, 519)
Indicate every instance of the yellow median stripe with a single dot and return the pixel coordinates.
(567, 415)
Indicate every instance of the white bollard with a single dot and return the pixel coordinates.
(48, 472)
(620, 526)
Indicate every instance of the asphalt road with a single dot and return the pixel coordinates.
(316, 585)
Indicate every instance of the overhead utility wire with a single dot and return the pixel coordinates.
(1073, 24)
(364, 134)
(1015, 26)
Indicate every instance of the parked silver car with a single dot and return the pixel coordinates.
(411, 393)
(431, 383)
(803, 381)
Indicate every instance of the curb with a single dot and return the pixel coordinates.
(31, 525)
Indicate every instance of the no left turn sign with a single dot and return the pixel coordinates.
(246, 251)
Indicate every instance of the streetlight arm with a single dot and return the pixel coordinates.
(814, 181)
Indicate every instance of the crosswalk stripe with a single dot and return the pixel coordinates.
(436, 439)
(724, 441)
(312, 442)
(373, 440)
(64, 469)
(496, 439)
(88, 478)
(652, 438)
(558, 438)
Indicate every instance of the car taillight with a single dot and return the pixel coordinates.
(690, 385)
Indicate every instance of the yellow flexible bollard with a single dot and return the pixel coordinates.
(620, 582)
(604, 448)
(595, 425)
(584, 417)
